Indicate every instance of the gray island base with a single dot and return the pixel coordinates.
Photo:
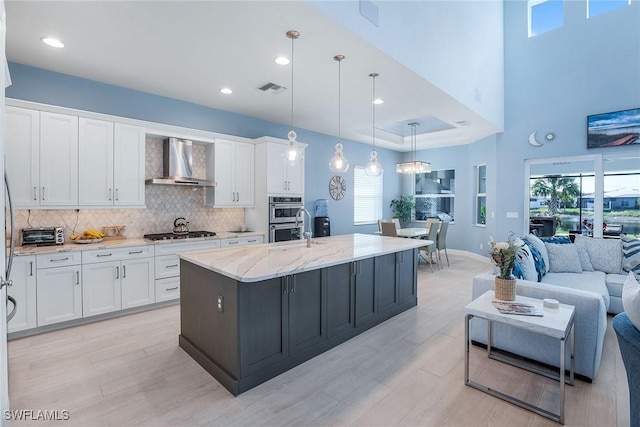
(250, 314)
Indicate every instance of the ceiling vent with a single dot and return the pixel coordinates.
(272, 88)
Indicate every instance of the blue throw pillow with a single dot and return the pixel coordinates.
(538, 261)
(630, 254)
(556, 240)
(518, 271)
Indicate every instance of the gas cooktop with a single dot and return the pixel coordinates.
(176, 236)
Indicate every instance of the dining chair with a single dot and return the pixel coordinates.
(396, 221)
(431, 221)
(389, 229)
(430, 249)
(380, 221)
(441, 241)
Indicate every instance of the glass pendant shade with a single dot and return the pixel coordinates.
(293, 154)
(373, 168)
(339, 162)
(414, 166)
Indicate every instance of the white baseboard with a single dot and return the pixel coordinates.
(473, 255)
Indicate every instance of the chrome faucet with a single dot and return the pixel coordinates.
(306, 234)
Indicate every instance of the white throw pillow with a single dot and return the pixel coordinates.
(539, 245)
(631, 299)
(605, 254)
(563, 258)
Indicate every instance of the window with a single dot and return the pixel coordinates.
(545, 15)
(481, 195)
(367, 197)
(435, 195)
(598, 7)
(592, 195)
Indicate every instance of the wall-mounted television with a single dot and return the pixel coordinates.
(615, 129)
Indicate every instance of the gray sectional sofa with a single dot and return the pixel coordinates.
(592, 283)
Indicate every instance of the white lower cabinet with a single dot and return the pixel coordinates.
(58, 289)
(137, 280)
(125, 281)
(101, 288)
(23, 290)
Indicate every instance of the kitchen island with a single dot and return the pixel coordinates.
(251, 313)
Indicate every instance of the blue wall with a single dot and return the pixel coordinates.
(37, 85)
(553, 81)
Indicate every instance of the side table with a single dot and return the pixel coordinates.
(556, 323)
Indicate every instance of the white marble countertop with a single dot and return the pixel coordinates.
(260, 262)
(554, 323)
(106, 243)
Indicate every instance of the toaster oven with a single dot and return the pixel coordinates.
(42, 236)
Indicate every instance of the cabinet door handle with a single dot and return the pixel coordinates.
(77, 277)
(117, 197)
(237, 197)
(252, 241)
(42, 193)
(102, 255)
(110, 193)
(233, 243)
(117, 272)
(285, 285)
(134, 252)
(124, 271)
(30, 268)
(171, 266)
(172, 289)
(292, 282)
(35, 193)
(58, 259)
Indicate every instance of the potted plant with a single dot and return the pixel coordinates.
(403, 208)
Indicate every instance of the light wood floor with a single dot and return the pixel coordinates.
(407, 371)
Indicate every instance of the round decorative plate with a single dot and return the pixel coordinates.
(337, 187)
(86, 241)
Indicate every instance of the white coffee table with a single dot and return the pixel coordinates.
(556, 323)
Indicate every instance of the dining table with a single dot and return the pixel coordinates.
(411, 232)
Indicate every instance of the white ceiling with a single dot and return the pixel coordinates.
(189, 50)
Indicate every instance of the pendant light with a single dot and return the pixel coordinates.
(374, 168)
(414, 166)
(339, 162)
(293, 154)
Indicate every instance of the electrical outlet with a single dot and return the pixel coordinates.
(220, 303)
(481, 246)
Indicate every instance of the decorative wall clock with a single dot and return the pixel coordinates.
(337, 187)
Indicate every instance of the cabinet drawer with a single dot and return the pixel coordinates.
(58, 259)
(241, 241)
(167, 289)
(174, 248)
(167, 266)
(117, 254)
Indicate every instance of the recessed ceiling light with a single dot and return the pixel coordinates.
(226, 90)
(282, 60)
(50, 41)
(378, 101)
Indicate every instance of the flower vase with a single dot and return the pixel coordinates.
(505, 289)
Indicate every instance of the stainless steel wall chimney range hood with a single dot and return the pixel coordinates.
(177, 165)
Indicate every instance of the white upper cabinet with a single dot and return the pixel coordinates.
(22, 151)
(61, 161)
(58, 159)
(283, 178)
(233, 170)
(95, 164)
(128, 165)
(111, 164)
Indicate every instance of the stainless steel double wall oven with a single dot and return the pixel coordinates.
(282, 218)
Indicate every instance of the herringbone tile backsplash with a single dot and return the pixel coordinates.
(164, 204)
